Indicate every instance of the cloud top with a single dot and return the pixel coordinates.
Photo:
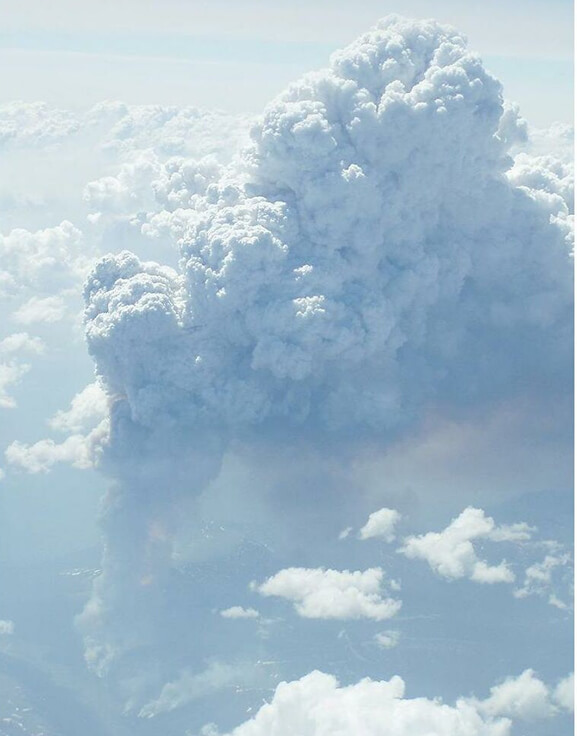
(364, 249)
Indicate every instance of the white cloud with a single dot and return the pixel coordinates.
(21, 342)
(317, 705)
(540, 580)
(239, 612)
(381, 524)
(524, 697)
(332, 594)
(41, 309)
(85, 422)
(451, 553)
(88, 409)
(34, 124)
(6, 628)
(564, 693)
(388, 639)
(319, 249)
(13, 370)
(75, 450)
(45, 261)
(10, 374)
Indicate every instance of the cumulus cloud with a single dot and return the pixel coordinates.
(239, 612)
(564, 693)
(546, 174)
(85, 423)
(381, 524)
(332, 594)
(87, 409)
(451, 553)
(45, 261)
(317, 704)
(364, 256)
(363, 198)
(525, 697)
(42, 455)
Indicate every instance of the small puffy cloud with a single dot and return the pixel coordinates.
(85, 422)
(539, 578)
(239, 612)
(11, 369)
(6, 628)
(564, 693)
(10, 374)
(341, 242)
(317, 705)
(76, 450)
(484, 573)
(452, 555)
(41, 309)
(388, 639)
(21, 342)
(88, 408)
(45, 261)
(524, 697)
(332, 594)
(381, 524)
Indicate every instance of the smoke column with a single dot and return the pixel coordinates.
(365, 256)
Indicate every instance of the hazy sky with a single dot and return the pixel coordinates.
(285, 399)
(236, 56)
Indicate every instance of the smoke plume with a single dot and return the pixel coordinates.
(365, 257)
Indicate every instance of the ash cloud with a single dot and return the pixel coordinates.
(366, 256)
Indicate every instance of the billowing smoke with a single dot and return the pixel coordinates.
(364, 258)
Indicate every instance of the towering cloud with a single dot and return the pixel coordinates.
(364, 256)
